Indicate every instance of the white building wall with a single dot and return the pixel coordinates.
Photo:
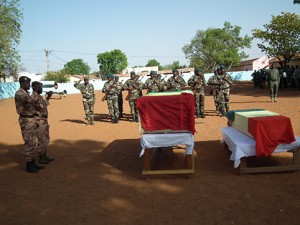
(260, 63)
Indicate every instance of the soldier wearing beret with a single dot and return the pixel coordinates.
(154, 83)
(25, 109)
(40, 105)
(88, 98)
(111, 89)
(197, 82)
(176, 82)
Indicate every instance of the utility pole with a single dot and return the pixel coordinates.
(47, 52)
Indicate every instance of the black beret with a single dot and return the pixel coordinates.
(24, 78)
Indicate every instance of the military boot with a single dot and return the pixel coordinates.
(43, 159)
(39, 167)
(30, 167)
(49, 159)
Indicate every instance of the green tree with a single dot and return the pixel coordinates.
(58, 77)
(154, 62)
(76, 67)
(112, 62)
(281, 37)
(10, 33)
(217, 45)
(175, 64)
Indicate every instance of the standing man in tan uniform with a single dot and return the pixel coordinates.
(40, 105)
(27, 121)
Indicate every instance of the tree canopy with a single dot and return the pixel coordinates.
(112, 62)
(10, 33)
(76, 67)
(217, 46)
(58, 77)
(281, 37)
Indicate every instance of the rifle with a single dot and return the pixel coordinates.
(110, 87)
(133, 84)
(202, 78)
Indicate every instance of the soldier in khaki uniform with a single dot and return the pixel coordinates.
(197, 82)
(25, 109)
(134, 88)
(40, 105)
(274, 80)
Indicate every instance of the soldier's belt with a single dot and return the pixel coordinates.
(42, 116)
(28, 116)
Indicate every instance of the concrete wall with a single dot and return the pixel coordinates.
(7, 90)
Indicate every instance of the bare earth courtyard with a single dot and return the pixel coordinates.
(96, 176)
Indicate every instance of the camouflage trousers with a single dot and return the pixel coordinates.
(29, 133)
(43, 136)
(199, 99)
(215, 93)
(132, 104)
(113, 107)
(88, 107)
(223, 100)
(120, 103)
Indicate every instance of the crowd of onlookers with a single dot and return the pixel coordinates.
(289, 77)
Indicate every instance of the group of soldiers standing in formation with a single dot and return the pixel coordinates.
(33, 112)
(220, 83)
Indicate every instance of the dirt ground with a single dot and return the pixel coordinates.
(96, 176)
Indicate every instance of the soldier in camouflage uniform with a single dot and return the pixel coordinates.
(153, 84)
(134, 88)
(197, 82)
(120, 97)
(111, 89)
(162, 83)
(224, 95)
(215, 88)
(88, 98)
(25, 109)
(40, 105)
(176, 82)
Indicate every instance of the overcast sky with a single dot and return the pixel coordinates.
(143, 30)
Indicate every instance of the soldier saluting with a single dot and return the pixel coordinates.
(88, 98)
